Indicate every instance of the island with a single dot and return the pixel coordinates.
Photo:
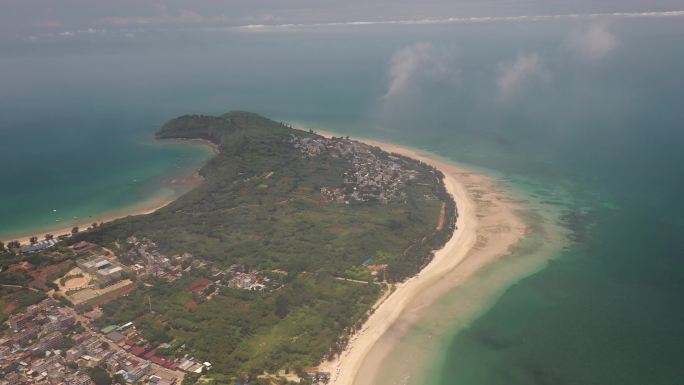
(264, 270)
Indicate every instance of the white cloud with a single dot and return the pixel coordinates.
(513, 76)
(594, 42)
(418, 62)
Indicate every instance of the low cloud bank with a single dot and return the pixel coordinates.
(414, 64)
(593, 42)
(514, 76)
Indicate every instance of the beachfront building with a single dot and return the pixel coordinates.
(40, 246)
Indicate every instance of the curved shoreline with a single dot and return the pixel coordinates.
(487, 227)
(147, 206)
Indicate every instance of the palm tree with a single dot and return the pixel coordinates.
(33, 240)
(49, 237)
(74, 230)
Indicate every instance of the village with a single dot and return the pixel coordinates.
(55, 342)
(148, 261)
(369, 178)
(52, 344)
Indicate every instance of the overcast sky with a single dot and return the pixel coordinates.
(22, 17)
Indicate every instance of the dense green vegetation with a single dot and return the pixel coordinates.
(260, 205)
(99, 376)
(36, 270)
(14, 300)
(245, 327)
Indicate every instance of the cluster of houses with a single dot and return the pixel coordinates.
(130, 368)
(336, 147)
(150, 262)
(90, 349)
(49, 346)
(33, 353)
(236, 277)
(135, 355)
(185, 364)
(369, 178)
(53, 369)
(40, 327)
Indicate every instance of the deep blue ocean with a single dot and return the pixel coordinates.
(589, 108)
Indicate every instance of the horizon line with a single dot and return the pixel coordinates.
(455, 20)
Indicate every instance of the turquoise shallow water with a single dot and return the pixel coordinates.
(598, 139)
(66, 168)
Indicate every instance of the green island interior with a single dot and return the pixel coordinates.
(270, 263)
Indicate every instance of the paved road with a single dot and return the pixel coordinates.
(21, 287)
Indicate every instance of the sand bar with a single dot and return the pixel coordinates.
(487, 227)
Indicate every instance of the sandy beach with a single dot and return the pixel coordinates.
(487, 227)
(147, 207)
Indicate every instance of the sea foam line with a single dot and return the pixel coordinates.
(454, 20)
(131, 33)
